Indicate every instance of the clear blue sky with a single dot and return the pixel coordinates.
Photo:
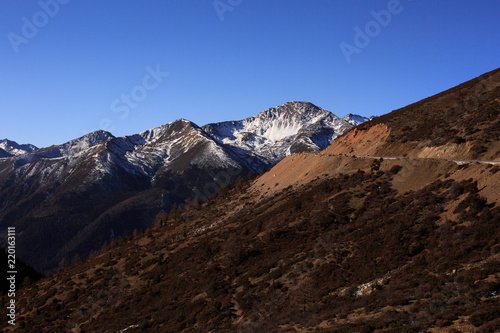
(69, 75)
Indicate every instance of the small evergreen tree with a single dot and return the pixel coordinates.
(76, 260)
(63, 264)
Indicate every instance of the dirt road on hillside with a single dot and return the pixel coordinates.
(445, 159)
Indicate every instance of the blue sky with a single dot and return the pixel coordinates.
(68, 69)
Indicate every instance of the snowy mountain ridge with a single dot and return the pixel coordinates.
(254, 143)
(123, 182)
(279, 131)
(355, 120)
(14, 149)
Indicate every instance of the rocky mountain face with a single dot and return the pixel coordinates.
(277, 132)
(332, 241)
(356, 120)
(74, 197)
(11, 148)
(4, 153)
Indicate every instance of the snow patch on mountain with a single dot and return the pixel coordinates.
(74, 147)
(69, 149)
(13, 148)
(355, 120)
(272, 133)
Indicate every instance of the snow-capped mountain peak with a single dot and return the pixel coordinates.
(278, 131)
(15, 149)
(71, 148)
(168, 129)
(76, 146)
(255, 143)
(355, 120)
(284, 121)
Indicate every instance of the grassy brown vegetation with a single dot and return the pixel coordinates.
(342, 254)
(460, 123)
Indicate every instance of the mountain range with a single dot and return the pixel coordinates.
(10, 148)
(74, 197)
(391, 228)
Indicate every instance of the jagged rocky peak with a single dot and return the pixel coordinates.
(302, 107)
(14, 149)
(355, 120)
(273, 124)
(272, 133)
(293, 110)
(96, 137)
(287, 120)
(70, 148)
(178, 126)
(84, 142)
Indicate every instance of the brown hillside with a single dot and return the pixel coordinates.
(345, 253)
(416, 173)
(460, 123)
